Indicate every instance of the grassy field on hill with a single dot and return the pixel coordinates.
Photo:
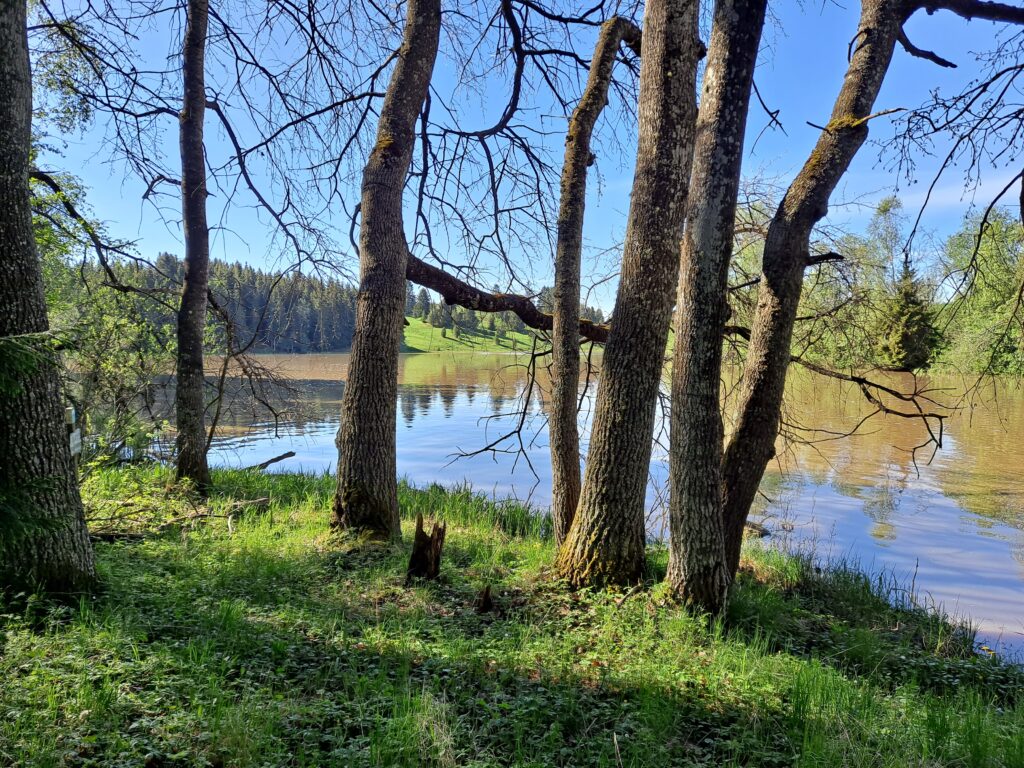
(238, 633)
(420, 336)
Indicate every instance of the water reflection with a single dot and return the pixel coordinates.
(955, 526)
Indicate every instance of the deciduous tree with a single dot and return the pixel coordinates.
(787, 244)
(190, 375)
(43, 541)
(697, 570)
(367, 493)
(565, 336)
(607, 539)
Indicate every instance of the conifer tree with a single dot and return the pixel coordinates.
(909, 336)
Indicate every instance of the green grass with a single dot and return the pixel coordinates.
(265, 642)
(419, 336)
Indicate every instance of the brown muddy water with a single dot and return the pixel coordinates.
(949, 524)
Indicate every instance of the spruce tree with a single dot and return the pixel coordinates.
(909, 336)
(422, 303)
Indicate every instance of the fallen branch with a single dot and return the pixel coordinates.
(115, 536)
(245, 504)
(268, 462)
(629, 593)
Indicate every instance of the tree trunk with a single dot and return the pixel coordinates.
(367, 494)
(697, 569)
(36, 470)
(786, 250)
(607, 538)
(190, 385)
(565, 348)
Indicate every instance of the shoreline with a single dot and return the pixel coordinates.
(265, 641)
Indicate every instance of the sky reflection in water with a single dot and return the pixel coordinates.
(954, 527)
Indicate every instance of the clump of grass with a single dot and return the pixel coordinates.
(267, 642)
(866, 624)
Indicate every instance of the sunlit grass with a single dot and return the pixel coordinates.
(420, 336)
(252, 638)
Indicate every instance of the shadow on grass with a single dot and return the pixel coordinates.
(869, 627)
(228, 653)
(236, 658)
(261, 649)
(222, 675)
(866, 626)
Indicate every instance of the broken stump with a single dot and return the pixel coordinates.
(425, 561)
(484, 603)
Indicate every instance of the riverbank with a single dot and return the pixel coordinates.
(239, 634)
(420, 336)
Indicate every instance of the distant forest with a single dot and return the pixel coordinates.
(299, 312)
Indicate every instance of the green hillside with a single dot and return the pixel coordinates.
(423, 337)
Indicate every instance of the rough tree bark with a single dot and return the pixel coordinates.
(606, 541)
(367, 494)
(565, 337)
(697, 569)
(54, 552)
(786, 250)
(190, 383)
(752, 444)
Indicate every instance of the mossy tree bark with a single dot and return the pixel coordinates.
(697, 571)
(565, 336)
(787, 244)
(190, 381)
(367, 493)
(53, 550)
(607, 537)
(786, 250)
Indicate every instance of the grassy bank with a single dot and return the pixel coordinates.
(419, 336)
(249, 638)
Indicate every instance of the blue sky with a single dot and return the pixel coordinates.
(800, 71)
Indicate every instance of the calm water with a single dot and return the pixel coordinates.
(953, 527)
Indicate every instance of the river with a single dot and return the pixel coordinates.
(951, 524)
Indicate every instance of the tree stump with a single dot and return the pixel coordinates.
(425, 561)
(484, 603)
